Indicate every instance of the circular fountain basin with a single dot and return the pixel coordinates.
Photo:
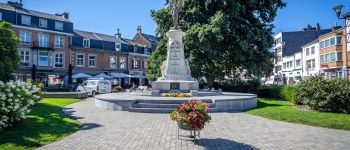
(144, 102)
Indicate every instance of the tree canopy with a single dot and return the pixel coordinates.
(221, 36)
(9, 60)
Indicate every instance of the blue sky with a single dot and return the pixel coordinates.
(105, 16)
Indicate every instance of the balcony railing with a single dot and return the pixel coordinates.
(44, 46)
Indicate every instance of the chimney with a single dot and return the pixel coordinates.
(318, 27)
(118, 35)
(139, 29)
(65, 15)
(15, 4)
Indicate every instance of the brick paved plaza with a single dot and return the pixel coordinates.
(103, 129)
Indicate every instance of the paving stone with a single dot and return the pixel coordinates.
(105, 129)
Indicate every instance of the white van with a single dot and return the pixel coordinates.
(95, 86)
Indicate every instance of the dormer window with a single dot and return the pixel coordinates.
(58, 25)
(117, 46)
(42, 23)
(86, 43)
(26, 20)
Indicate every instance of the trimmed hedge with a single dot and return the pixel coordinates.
(272, 91)
(325, 95)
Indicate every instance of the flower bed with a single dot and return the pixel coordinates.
(15, 100)
(192, 115)
(179, 95)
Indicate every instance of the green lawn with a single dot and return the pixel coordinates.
(284, 111)
(43, 125)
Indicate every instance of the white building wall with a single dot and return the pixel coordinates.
(292, 71)
(316, 56)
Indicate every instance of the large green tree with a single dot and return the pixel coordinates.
(221, 35)
(9, 58)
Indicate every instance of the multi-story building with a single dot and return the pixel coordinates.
(333, 54)
(95, 53)
(44, 42)
(311, 59)
(49, 44)
(288, 52)
(347, 42)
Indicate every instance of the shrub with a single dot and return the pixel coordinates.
(15, 100)
(325, 95)
(288, 94)
(272, 91)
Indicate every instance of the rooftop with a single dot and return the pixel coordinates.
(22, 10)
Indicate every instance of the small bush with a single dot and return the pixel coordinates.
(15, 100)
(273, 91)
(243, 86)
(325, 95)
(288, 94)
(178, 95)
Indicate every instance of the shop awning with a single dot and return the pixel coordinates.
(104, 76)
(81, 75)
(119, 75)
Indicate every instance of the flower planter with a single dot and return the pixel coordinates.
(194, 114)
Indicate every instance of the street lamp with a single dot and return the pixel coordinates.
(338, 9)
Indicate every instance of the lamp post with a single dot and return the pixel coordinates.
(338, 10)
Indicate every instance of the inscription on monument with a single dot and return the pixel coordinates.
(175, 50)
(175, 86)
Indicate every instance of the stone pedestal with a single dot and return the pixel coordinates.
(176, 73)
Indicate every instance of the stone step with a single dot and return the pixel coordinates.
(161, 110)
(169, 101)
(155, 105)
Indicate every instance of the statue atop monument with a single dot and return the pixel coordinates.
(176, 7)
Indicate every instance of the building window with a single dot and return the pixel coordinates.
(339, 40)
(112, 62)
(59, 41)
(59, 59)
(145, 51)
(322, 45)
(145, 64)
(312, 50)
(42, 23)
(307, 52)
(25, 37)
(43, 58)
(122, 63)
(58, 25)
(80, 60)
(332, 41)
(332, 57)
(297, 63)
(326, 59)
(24, 56)
(339, 56)
(284, 65)
(322, 59)
(86, 43)
(0, 16)
(43, 40)
(26, 20)
(327, 43)
(92, 61)
(117, 46)
(136, 64)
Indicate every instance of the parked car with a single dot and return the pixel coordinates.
(95, 86)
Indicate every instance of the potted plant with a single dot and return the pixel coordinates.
(191, 115)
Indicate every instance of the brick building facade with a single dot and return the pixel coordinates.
(49, 44)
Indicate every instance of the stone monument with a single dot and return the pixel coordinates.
(176, 73)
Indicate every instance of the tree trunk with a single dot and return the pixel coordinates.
(210, 80)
